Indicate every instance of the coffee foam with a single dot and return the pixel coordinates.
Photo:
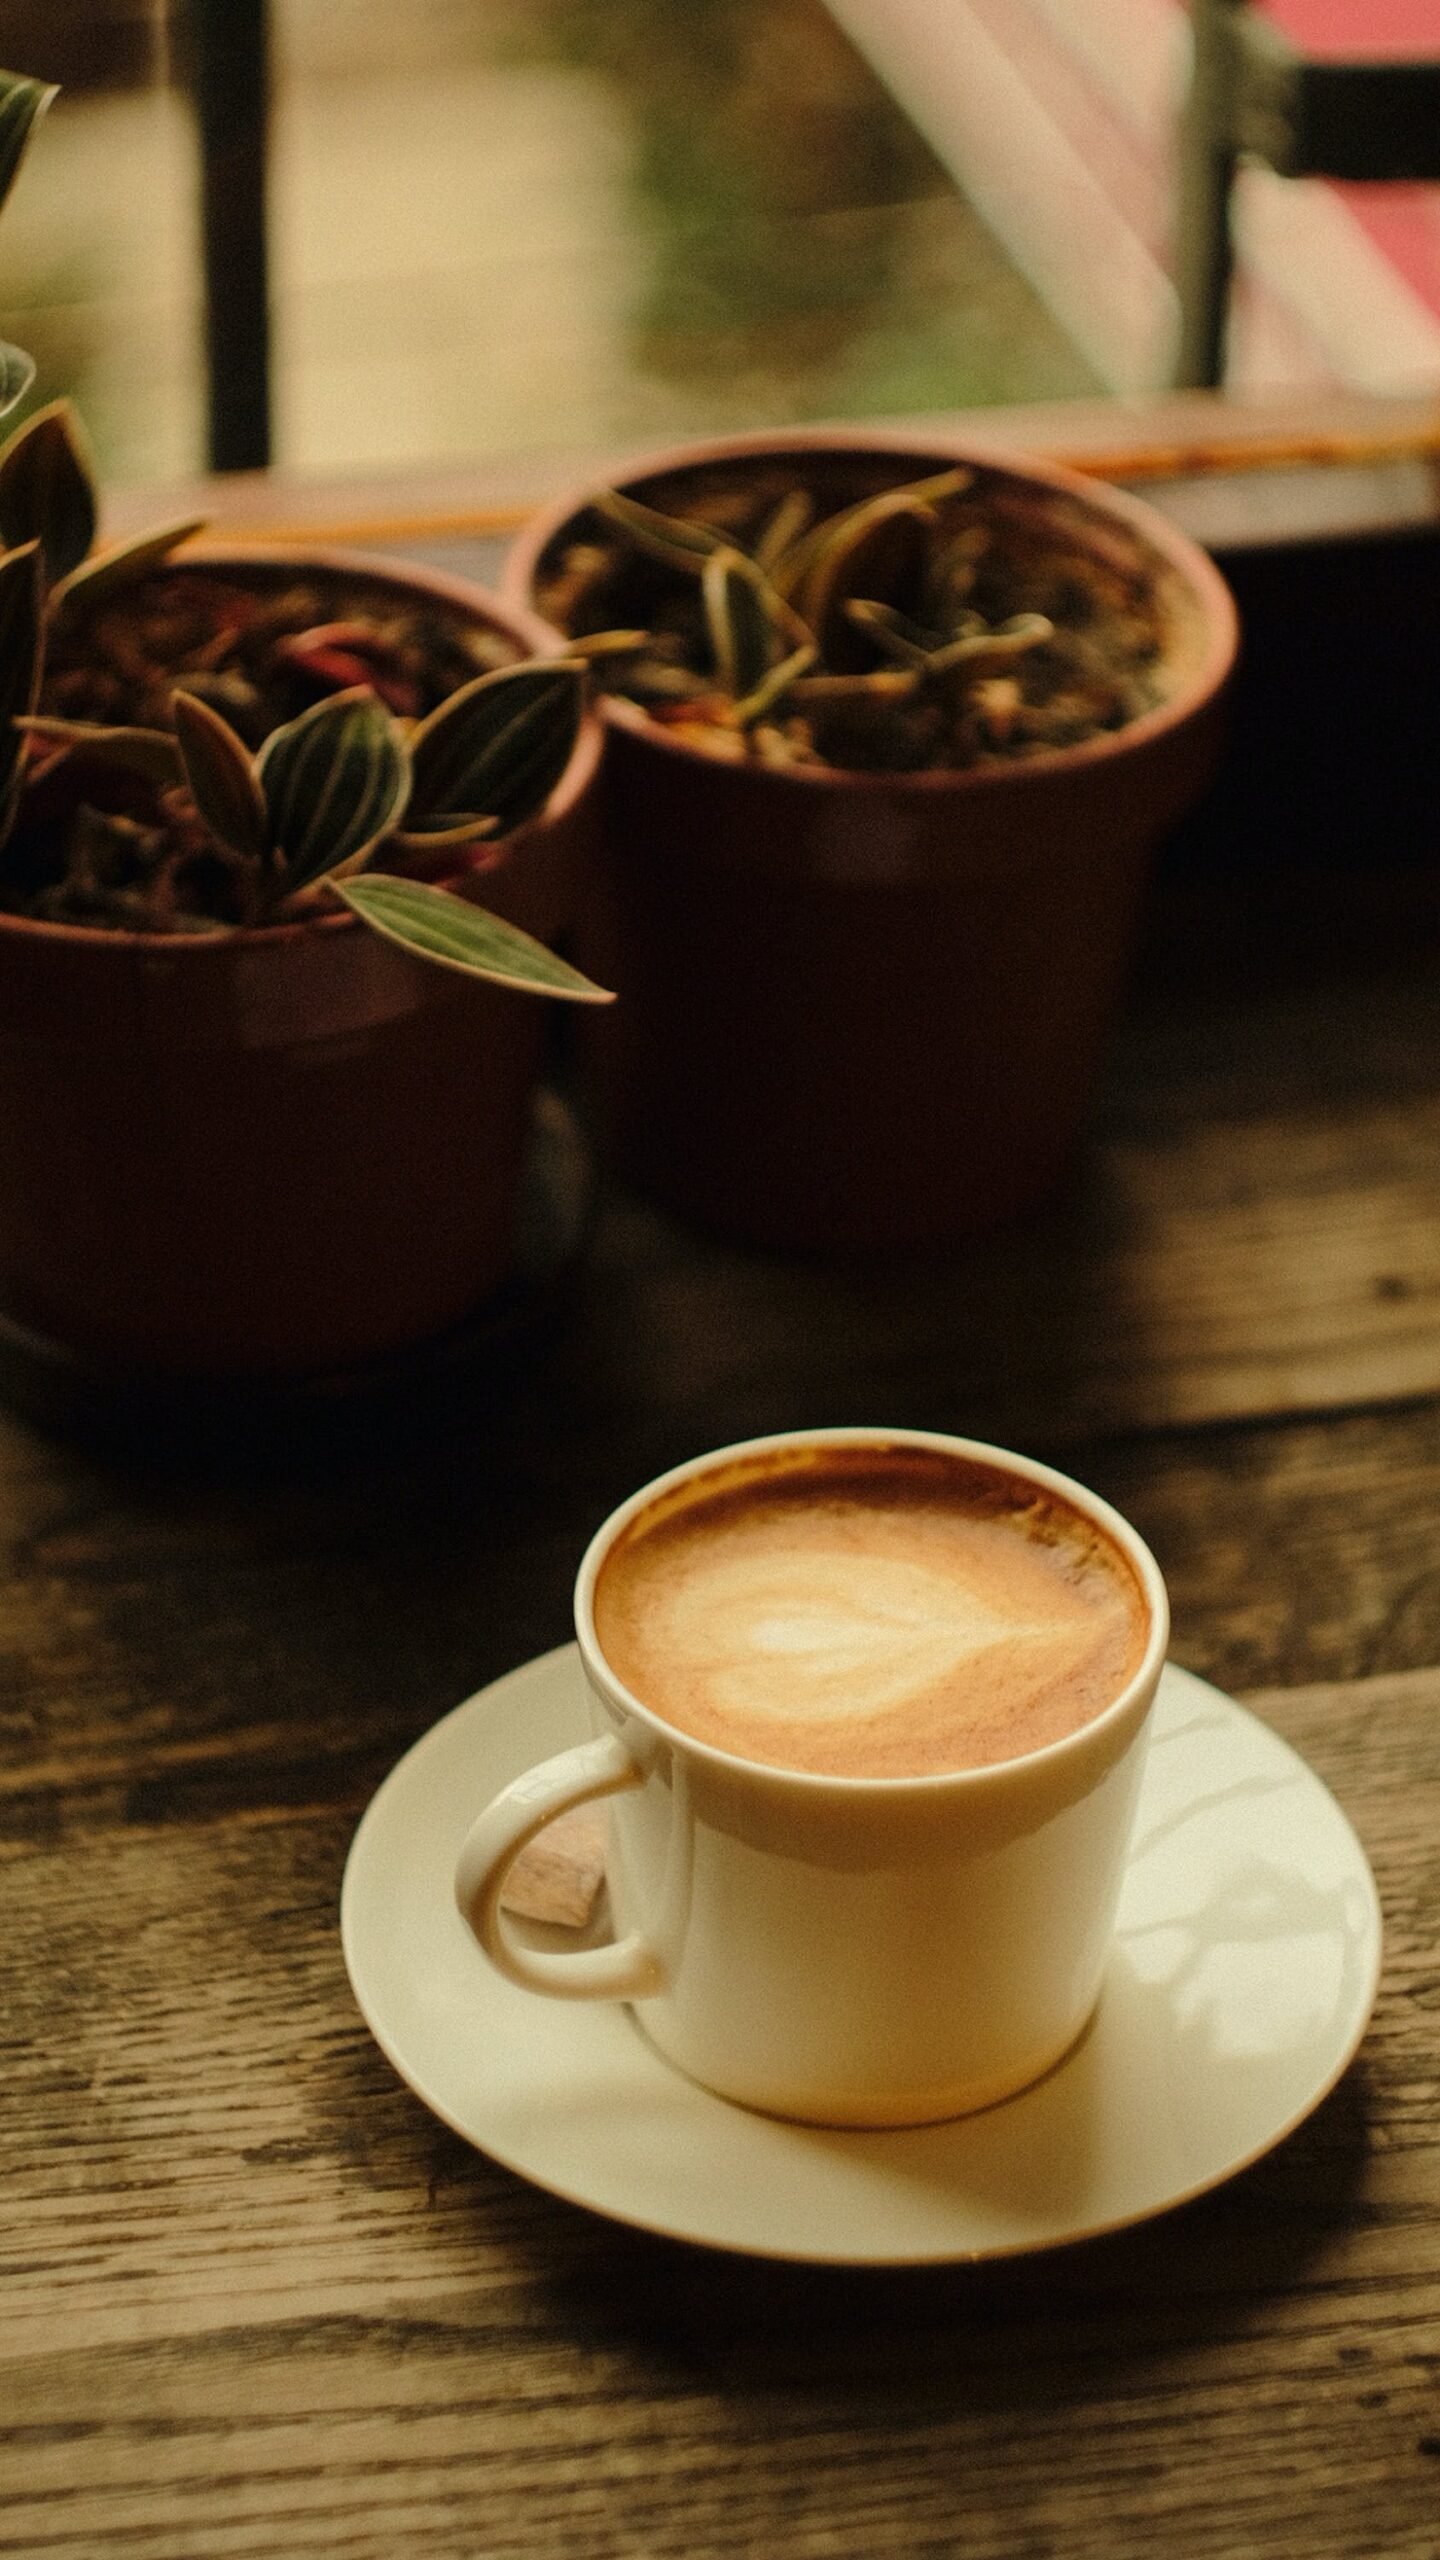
(875, 1614)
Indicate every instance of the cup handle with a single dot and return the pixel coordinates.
(628, 1969)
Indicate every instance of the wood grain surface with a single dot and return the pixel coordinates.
(258, 2301)
(255, 2301)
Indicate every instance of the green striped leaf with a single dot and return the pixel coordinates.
(878, 549)
(896, 635)
(679, 544)
(151, 752)
(334, 782)
(124, 562)
(17, 372)
(221, 776)
(783, 528)
(22, 103)
(595, 645)
(47, 490)
(772, 688)
(436, 926)
(444, 835)
(740, 620)
(981, 652)
(499, 745)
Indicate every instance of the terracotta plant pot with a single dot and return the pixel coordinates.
(865, 1010)
(265, 1152)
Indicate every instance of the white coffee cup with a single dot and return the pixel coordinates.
(841, 1950)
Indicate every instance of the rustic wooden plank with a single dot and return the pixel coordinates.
(256, 2302)
(1254, 1229)
(173, 1648)
(1295, 1553)
(180, 1650)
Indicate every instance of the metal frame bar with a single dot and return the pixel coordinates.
(229, 52)
(1252, 92)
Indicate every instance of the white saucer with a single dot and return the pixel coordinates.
(1244, 1972)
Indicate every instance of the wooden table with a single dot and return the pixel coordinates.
(256, 2301)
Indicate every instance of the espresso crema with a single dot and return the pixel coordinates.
(869, 1611)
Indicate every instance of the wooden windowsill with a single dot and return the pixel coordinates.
(1281, 464)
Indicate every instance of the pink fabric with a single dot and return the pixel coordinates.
(1365, 28)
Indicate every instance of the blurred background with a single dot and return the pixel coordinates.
(518, 227)
(510, 225)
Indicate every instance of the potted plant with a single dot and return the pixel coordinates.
(893, 726)
(281, 843)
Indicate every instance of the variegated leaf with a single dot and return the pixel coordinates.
(879, 549)
(335, 782)
(591, 645)
(151, 752)
(756, 706)
(47, 490)
(740, 621)
(909, 643)
(22, 103)
(444, 835)
(782, 529)
(124, 562)
(439, 927)
(680, 544)
(17, 372)
(499, 745)
(940, 485)
(981, 652)
(839, 533)
(221, 776)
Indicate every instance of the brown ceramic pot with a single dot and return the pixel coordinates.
(865, 1010)
(269, 1152)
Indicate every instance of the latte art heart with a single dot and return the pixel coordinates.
(845, 1645)
(882, 1614)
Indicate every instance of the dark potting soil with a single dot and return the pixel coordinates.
(100, 843)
